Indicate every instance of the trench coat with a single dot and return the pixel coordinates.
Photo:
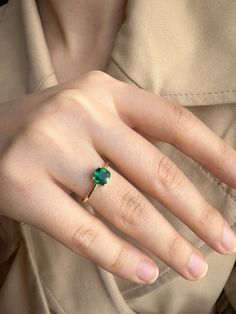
(183, 50)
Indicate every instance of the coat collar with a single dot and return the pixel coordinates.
(178, 53)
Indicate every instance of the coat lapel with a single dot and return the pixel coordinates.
(182, 50)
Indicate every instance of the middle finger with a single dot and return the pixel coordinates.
(148, 168)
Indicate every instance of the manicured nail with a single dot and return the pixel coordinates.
(197, 266)
(147, 271)
(229, 240)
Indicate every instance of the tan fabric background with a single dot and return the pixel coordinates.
(182, 49)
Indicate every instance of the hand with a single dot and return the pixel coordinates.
(52, 141)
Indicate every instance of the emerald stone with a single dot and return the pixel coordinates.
(101, 175)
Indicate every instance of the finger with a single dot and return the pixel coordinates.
(149, 169)
(124, 206)
(47, 207)
(169, 122)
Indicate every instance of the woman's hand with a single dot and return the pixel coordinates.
(50, 144)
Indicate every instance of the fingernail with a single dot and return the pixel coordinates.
(197, 266)
(147, 271)
(229, 240)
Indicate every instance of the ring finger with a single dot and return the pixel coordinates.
(128, 209)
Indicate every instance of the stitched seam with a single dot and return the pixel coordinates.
(53, 297)
(213, 179)
(39, 277)
(177, 93)
(119, 67)
(202, 93)
(41, 82)
(166, 272)
(31, 260)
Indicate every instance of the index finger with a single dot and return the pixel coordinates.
(169, 122)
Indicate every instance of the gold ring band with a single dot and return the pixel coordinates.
(100, 176)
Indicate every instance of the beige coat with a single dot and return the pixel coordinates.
(184, 50)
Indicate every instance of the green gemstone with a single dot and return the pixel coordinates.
(101, 176)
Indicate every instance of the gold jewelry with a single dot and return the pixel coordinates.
(100, 177)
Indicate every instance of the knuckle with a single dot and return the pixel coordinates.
(37, 134)
(120, 259)
(176, 248)
(84, 238)
(10, 159)
(97, 79)
(15, 170)
(181, 118)
(133, 210)
(12, 178)
(7, 170)
(96, 75)
(211, 224)
(169, 178)
(222, 154)
(209, 218)
(68, 100)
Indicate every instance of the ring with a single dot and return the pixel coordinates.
(100, 177)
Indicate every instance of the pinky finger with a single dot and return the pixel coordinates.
(68, 222)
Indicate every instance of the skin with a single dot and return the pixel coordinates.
(81, 33)
(57, 137)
